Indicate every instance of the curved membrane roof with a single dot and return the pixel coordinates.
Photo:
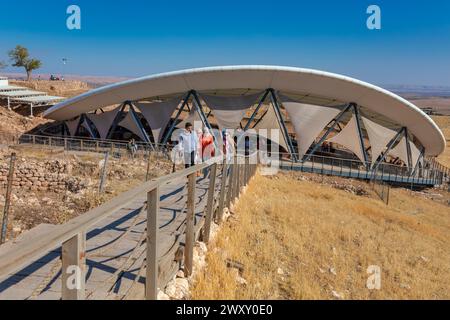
(327, 88)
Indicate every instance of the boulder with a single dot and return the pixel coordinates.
(178, 288)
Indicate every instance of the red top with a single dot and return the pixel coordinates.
(207, 146)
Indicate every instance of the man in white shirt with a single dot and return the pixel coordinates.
(189, 143)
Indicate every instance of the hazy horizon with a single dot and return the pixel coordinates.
(148, 37)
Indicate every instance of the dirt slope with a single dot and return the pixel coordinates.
(13, 125)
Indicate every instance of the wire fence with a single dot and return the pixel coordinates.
(116, 148)
(430, 172)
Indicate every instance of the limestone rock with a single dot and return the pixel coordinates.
(239, 279)
(178, 288)
(180, 274)
(162, 296)
(47, 200)
(337, 295)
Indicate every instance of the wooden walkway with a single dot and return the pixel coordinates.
(115, 249)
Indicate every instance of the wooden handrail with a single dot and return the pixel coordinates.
(13, 260)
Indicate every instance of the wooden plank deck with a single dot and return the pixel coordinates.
(115, 248)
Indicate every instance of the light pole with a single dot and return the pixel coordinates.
(64, 60)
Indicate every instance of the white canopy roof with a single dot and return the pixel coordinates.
(285, 79)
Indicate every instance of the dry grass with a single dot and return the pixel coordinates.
(312, 231)
(123, 175)
(444, 123)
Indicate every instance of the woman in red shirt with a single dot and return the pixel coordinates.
(207, 143)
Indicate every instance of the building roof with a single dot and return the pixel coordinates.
(21, 93)
(39, 99)
(323, 87)
(11, 88)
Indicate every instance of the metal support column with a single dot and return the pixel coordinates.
(202, 115)
(261, 101)
(360, 134)
(280, 119)
(389, 147)
(199, 108)
(85, 119)
(336, 122)
(408, 149)
(174, 123)
(115, 121)
(139, 124)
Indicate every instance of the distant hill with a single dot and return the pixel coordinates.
(419, 91)
(92, 81)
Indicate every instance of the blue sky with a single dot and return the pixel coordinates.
(137, 37)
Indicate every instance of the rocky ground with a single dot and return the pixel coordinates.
(13, 125)
(68, 88)
(58, 187)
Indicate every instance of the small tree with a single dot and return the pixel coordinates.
(20, 57)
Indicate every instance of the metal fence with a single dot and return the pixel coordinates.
(117, 148)
(430, 174)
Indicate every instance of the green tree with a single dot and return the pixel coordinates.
(2, 65)
(21, 58)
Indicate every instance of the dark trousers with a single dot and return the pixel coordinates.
(189, 159)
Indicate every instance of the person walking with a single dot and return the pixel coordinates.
(199, 154)
(228, 146)
(132, 148)
(189, 144)
(208, 150)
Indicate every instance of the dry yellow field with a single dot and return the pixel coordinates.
(444, 123)
(304, 240)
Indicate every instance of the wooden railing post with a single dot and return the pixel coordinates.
(230, 188)
(73, 268)
(104, 173)
(9, 186)
(189, 239)
(241, 175)
(237, 178)
(151, 280)
(223, 186)
(210, 203)
(65, 143)
(247, 169)
(147, 174)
